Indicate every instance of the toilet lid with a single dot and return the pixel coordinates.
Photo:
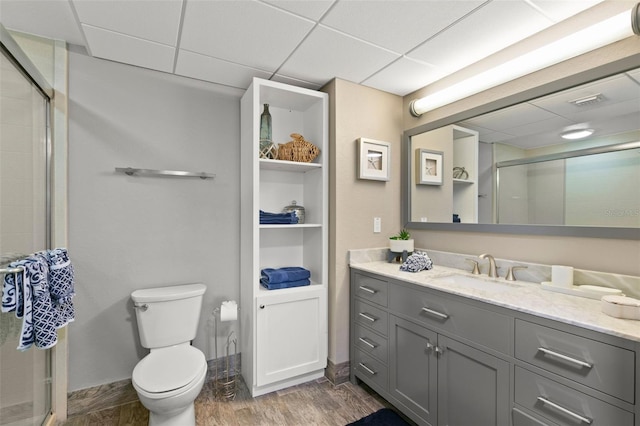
(167, 369)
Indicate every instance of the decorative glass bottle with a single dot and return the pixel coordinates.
(266, 140)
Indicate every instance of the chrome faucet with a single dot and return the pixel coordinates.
(492, 264)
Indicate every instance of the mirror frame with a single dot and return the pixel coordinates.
(564, 83)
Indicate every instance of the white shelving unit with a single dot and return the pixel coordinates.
(283, 332)
(465, 191)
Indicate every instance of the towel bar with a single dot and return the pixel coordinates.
(130, 171)
(5, 271)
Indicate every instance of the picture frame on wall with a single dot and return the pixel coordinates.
(429, 167)
(374, 159)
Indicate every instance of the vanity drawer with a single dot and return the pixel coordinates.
(372, 317)
(601, 366)
(563, 405)
(371, 343)
(484, 327)
(370, 370)
(371, 289)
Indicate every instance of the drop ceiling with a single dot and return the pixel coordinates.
(397, 46)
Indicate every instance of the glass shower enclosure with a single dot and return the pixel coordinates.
(25, 377)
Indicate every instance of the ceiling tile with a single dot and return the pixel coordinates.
(52, 19)
(206, 68)
(157, 20)
(326, 54)
(505, 119)
(613, 90)
(559, 10)
(403, 77)
(129, 50)
(397, 25)
(246, 32)
(475, 37)
(312, 9)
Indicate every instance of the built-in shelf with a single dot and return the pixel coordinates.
(287, 166)
(464, 181)
(285, 226)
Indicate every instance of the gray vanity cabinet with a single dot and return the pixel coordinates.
(444, 359)
(414, 348)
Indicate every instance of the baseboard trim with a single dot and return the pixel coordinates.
(337, 373)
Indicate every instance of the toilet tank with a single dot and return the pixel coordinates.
(168, 315)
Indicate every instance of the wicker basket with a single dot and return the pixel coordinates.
(298, 149)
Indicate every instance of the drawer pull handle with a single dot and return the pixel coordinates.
(568, 412)
(367, 317)
(368, 290)
(366, 342)
(436, 313)
(566, 358)
(367, 369)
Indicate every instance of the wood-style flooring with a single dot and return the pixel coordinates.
(315, 403)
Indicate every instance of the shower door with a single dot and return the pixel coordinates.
(25, 384)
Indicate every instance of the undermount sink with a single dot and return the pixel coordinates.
(477, 283)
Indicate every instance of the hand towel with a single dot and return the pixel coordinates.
(418, 261)
(280, 275)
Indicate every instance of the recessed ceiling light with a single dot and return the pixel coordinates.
(577, 134)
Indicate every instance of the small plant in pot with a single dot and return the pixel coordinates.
(401, 242)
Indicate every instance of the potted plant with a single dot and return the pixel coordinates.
(401, 242)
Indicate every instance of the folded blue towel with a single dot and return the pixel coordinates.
(267, 218)
(286, 284)
(281, 275)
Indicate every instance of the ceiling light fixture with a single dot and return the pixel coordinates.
(577, 134)
(598, 35)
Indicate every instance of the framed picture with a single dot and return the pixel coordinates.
(374, 159)
(429, 167)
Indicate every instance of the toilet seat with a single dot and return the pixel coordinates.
(169, 369)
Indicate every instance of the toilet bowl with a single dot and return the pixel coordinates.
(167, 381)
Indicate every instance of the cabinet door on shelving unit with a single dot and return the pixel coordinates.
(291, 330)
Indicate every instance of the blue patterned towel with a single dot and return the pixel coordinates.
(47, 275)
(61, 285)
(281, 275)
(418, 261)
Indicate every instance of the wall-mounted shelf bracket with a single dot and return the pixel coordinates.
(130, 171)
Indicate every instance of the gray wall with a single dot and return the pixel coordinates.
(128, 233)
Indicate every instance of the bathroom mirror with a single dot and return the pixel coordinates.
(510, 170)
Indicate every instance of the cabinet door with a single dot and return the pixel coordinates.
(413, 368)
(291, 335)
(473, 386)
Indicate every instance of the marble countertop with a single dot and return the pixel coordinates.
(517, 295)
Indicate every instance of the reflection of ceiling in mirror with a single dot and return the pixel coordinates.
(541, 121)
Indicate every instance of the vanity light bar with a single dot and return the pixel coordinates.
(598, 35)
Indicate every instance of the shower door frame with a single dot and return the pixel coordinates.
(12, 51)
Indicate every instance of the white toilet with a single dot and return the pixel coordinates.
(171, 376)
